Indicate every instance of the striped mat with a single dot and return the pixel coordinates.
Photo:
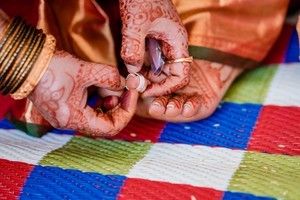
(248, 149)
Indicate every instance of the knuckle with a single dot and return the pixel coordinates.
(185, 81)
(131, 51)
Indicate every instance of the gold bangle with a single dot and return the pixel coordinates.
(24, 52)
(23, 64)
(37, 50)
(12, 55)
(9, 29)
(14, 69)
(8, 45)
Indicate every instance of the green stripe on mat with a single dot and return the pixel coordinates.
(268, 175)
(252, 86)
(102, 156)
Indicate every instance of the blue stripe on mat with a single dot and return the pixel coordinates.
(6, 124)
(243, 196)
(57, 183)
(230, 126)
(292, 54)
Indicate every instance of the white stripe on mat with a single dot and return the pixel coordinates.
(185, 164)
(17, 146)
(285, 86)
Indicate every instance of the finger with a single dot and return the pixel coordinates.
(132, 82)
(110, 123)
(105, 92)
(174, 45)
(133, 50)
(156, 78)
(159, 106)
(173, 37)
(123, 114)
(169, 85)
(104, 76)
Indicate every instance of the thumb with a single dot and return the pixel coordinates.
(133, 51)
(128, 102)
(104, 76)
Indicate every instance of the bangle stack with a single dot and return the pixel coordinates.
(20, 47)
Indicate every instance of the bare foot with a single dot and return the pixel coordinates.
(208, 83)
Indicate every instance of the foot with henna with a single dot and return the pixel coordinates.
(209, 81)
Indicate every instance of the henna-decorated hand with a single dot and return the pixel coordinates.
(156, 19)
(61, 96)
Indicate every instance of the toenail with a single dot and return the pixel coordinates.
(156, 104)
(187, 106)
(170, 106)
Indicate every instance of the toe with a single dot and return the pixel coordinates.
(158, 106)
(175, 105)
(192, 106)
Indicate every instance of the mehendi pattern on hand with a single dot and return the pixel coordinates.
(156, 19)
(61, 96)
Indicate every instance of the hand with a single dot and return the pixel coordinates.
(156, 19)
(61, 96)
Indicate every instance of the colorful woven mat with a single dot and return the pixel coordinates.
(248, 149)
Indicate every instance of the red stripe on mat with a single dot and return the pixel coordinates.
(12, 178)
(141, 129)
(277, 131)
(153, 190)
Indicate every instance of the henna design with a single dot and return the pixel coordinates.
(178, 101)
(163, 101)
(156, 19)
(61, 95)
(208, 83)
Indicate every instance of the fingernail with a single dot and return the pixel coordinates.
(133, 68)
